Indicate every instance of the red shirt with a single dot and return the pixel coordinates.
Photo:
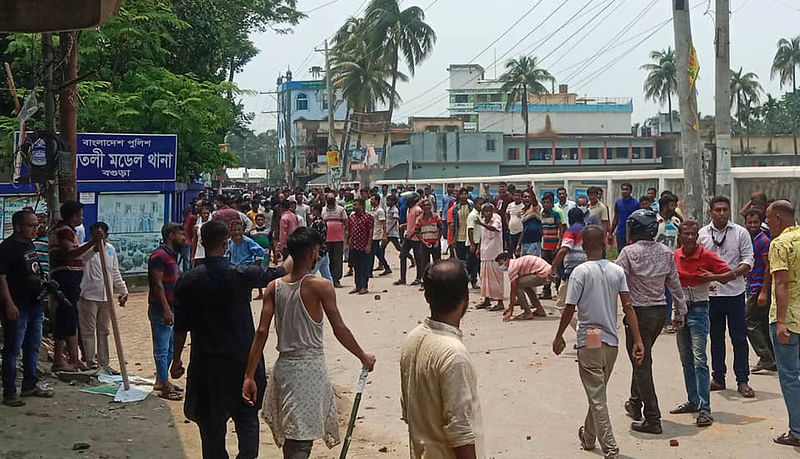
(359, 230)
(188, 227)
(411, 222)
(689, 268)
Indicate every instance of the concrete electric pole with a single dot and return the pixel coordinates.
(688, 67)
(723, 99)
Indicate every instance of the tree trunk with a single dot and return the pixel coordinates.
(347, 124)
(68, 111)
(669, 107)
(527, 127)
(231, 73)
(794, 115)
(391, 107)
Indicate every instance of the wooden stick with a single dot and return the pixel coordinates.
(12, 88)
(113, 313)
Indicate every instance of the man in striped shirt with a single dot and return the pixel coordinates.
(758, 293)
(552, 230)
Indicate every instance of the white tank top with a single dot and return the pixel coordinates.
(297, 331)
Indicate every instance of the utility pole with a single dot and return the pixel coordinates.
(723, 99)
(51, 146)
(285, 97)
(687, 95)
(329, 89)
(68, 112)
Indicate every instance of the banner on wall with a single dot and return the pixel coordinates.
(11, 204)
(134, 221)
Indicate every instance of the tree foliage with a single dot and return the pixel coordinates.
(159, 66)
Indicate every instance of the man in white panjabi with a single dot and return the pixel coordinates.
(299, 406)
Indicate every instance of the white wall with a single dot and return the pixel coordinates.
(605, 123)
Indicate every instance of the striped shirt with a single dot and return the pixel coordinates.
(43, 252)
(429, 228)
(527, 265)
(61, 235)
(165, 260)
(551, 222)
(755, 278)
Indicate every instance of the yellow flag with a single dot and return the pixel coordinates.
(694, 71)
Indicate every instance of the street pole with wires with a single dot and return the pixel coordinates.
(329, 90)
(687, 95)
(51, 145)
(723, 99)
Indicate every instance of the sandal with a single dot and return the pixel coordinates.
(497, 307)
(584, 445)
(482, 305)
(525, 316)
(704, 420)
(170, 395)
(787, 439)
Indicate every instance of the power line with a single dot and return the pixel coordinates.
(320, 7)
(431, 5)
(599, 23)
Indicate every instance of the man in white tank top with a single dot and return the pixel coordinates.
(300, 405)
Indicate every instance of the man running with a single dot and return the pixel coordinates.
(300, 406)
(650, 269)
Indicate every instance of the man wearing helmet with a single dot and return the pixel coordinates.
(649, 269)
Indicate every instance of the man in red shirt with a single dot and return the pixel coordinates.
(411, 241)
(288, 224)
(359, 238)
(429, 228)
(697, 266)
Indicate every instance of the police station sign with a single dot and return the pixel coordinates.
(126, 157)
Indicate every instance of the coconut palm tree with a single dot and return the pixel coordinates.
(661, 82)
(398, 32)
(746, 91)
(523, 77)
(784, 64)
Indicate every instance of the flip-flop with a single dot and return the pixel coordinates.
(787, 439)
(177, 389)
(170, 395)
(524, 316)
(497, 307)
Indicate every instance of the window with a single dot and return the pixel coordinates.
(324, 103)
(490, 145)
(496, 97)
(594, 153)
(482, 98)
(461, 99)
(301, 102)
(451, 128)
(513, 154)
(431, 128)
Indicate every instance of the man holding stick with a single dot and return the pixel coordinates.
(213, 304)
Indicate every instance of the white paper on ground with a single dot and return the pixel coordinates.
(104, 378)
(136, 393)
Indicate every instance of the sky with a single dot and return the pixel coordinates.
(594, 46)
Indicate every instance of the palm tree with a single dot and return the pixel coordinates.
(523, 77)
(662, 79)
(399, 31)
(746, 91)
(784, 64)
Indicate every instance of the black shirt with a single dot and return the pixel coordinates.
(20, 264)
(213, 305)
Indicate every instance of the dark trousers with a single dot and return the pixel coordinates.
(729, 310)
(362, 267)
(214, 429)
(297, 449)
(463, 254)
(643, 390)
(426, 254)
(473, 266)
(548, 256)
(379, 253)
(757, 318)
(513, 240)
(335, 251)
(408, 247)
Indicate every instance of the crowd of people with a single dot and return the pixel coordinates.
(671, 274)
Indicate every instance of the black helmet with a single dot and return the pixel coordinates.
(642, 224)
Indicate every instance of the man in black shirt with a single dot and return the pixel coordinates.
(213, 303)
(22, 312)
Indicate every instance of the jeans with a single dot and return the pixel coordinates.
(23, 335)
(162, 342)
(668, 309)
(297, 449)
(757, 319)
(622, 241)
(362, 267)
(186, 258)
(335, 253)
(513, 240)
(533, 248)
(409, 246)
(787, 357)
(426, 254)
(643, 390)
(692, 349)
(595, 367)
(323, 266)
(380, 254)
(214, 429)
(729, 309)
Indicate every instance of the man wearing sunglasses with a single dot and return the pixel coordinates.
(733, 245)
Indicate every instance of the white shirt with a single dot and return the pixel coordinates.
(565, 207)
(92, 288)
(594, 287)
(380, 221)
(302, 212)
(514, 212)
(734, 246)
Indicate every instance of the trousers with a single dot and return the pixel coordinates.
(162, 342)
(409, 246)
(379, 253)
(643, 390)
(428, 255)
(757, 319)
(297, 449)
(25, 335)
(362, 267)
(323, 266)
(335, 253)
(787, 357)
(214, 428)
(95, 325)
(730, 311)
(692, 341)
(595, 367)
(526, 287)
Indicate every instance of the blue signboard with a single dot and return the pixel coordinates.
(126, 157)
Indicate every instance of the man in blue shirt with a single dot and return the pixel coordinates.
(623, 208)
(242, 249)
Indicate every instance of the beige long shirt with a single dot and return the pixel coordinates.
(439, 392)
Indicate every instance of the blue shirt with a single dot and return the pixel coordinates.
(623, 209)
(447, 201)
(402, 206)
(245, 252)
